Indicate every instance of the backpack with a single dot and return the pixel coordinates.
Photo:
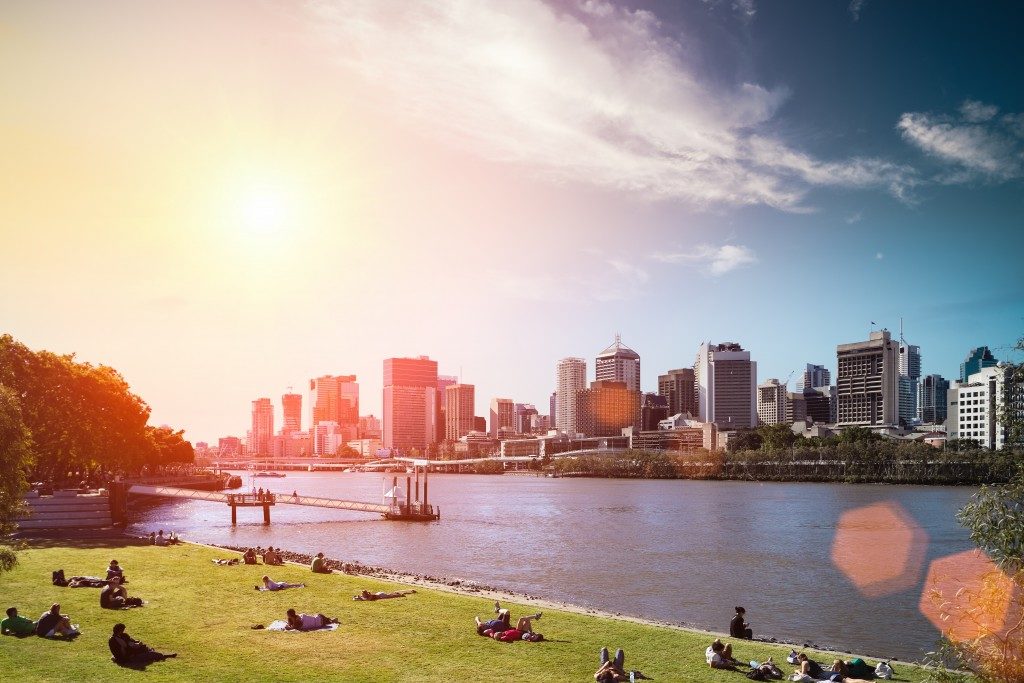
(756, 675)
(58, 578)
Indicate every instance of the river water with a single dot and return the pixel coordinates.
(818, 563)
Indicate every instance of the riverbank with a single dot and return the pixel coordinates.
(205, 612)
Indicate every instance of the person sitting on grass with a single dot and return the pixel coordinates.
(115, 596)
(160, 539)
(16, 624)
(381, 595)
(811, 668)
(840, 671)
(271, 585)
(738, 627)
(114, 569)
(271, 557)
(249, 556)
(53, 623)
(719, 655)
(319, 565)
(308, 622)
(127, 650)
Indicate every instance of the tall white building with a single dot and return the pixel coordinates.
(814, 376)
(771, 402)
(570, 379)
(867, 382)
(618, 363)
(974, 407)
(726, 381)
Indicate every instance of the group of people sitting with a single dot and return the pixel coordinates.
(159, 539)
(50, 624)
(719, 655)
(270, 556)
(500, 628)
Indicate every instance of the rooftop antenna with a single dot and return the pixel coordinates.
(902, 340)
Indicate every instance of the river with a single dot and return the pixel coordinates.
(671, 550)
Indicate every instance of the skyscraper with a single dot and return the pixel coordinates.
(262, 431)
(910, 375)
(459, 400)
(726, 382)
(606, 408)
(814, 376)
(678, 387)
(443, 382)
(771, 402)
(976, 361)
(570, 379)
(503, 416)
(619, 363)
(410, 403)
(932, 399)
(335, 398)
(291, 407)
(867, 384)
(653, 409)
(524, 420)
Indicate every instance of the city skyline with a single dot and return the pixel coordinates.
(246, 197)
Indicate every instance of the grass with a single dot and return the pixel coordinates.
(204, 612)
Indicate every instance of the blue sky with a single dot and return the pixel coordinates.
(225, 200)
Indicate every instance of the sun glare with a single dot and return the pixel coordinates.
(263, 210)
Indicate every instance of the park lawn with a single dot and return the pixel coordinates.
(204, 612)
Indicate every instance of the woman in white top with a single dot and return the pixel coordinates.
(271, 585)
(308, 622)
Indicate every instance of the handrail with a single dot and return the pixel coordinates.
(248, 498)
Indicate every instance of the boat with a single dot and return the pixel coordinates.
(269, 474)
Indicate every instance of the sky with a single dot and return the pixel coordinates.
(223, 200)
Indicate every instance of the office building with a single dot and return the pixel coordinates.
(459, 401)
(796, 407)
(977, 360)
(443, 382)
(479, 426)
(932, 399)
(291, 408)
(327, 437)
(606, 408)
(653, 409)
(229, 447)
(867, 382)
(726, 381)
(771, 402)
(819, 404)
(570, 379)
(410, 403)
(976, 409)
(552, 410)
(335, 398)
(814, 376)
(261, 439)
(524, 420)
(370, 427)
(618, 363)
(678, 387)
(503, 417)
(910, 376)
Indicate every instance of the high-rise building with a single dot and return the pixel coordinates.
(867, 383)
(619, 363)
(771, 402)
(814, 376)
(977, 360)
(459, 400)
(262, 433)
(977, 408)
(726, 381)
(410, 403)
(571, 378)
(819, 404)
(443, 382)
(327, 437)
(335, 398)
(291, 407)
(678, 387)
(229, 446)
(653, 409)
(369, 427)
(796, 406)
(910, 376)
(932, 399)
(480, 426)
(552, 408)
(606, 408)
(524, 419)
(503, 417)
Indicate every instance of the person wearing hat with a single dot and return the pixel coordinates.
(738, 628)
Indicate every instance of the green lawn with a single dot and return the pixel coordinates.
(204, 613)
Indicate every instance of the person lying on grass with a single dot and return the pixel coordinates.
(271, 585)
(232, 562)
(53, 623)
(127, 650)
(503, 622)
(719, 655)
(381, 595)
(522, 631)
(115, 596)
(16, 624)
(611, 670)
(308, 622)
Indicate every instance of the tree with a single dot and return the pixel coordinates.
(15, 459)
(776, 437)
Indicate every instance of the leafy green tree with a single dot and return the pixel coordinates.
(15, 459)
(776, 437)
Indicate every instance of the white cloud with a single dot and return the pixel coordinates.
(596, 279)
(714, 260)
(855, 218)
(589, 93)
(879, 256)
(975, 143)
(855, 7)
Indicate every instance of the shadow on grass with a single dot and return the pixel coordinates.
(66, 540)
(141, 662)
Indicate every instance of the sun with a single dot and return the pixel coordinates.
(263, 209)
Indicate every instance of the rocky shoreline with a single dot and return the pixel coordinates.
(357, 568)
